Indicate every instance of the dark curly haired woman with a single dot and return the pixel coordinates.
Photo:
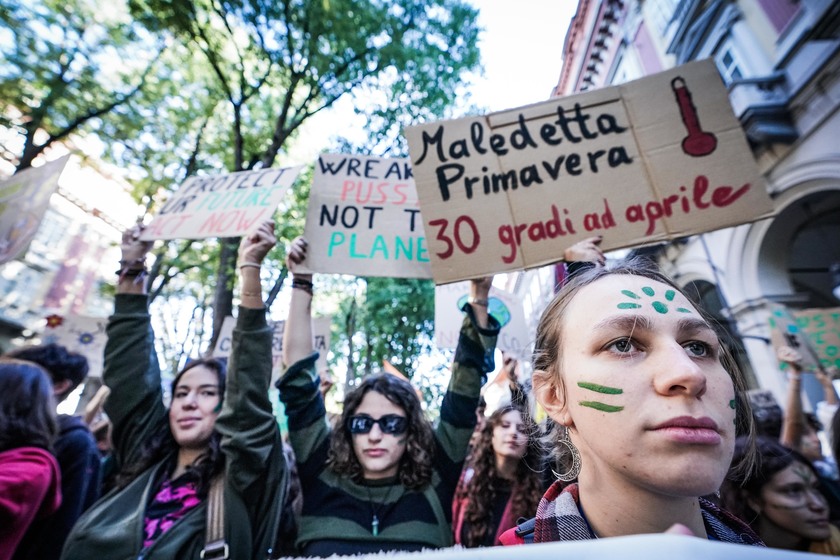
(502, 482)
(383, 479)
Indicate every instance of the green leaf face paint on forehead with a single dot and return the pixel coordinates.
(658, 305)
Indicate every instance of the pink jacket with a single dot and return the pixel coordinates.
(30, 488)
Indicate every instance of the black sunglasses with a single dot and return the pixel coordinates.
(393, 424)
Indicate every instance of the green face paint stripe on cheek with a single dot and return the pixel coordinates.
(629, 294)
(669, 295)
(660, 307)
(648, 291)
(600, 388)
(601, 406)
(732, 404)
(218, 407)
(683, 310)
(628, 305)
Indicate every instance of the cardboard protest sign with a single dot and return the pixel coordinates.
(785, 331)
(650, 160)
(822, 328)
(364, 219)
(82, 334)
(320, 342)
(24, 198)
(514, 337)
(221, 205)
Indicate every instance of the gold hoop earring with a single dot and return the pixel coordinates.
(574, 470)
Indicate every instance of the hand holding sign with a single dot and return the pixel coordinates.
(254, 247)
(133, 248)
(586, 250)
(296, 256)
(791, 357)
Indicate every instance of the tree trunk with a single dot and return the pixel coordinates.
(225, 276)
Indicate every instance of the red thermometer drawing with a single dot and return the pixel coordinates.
(698, 143)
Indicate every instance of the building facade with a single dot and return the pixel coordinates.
(72, 255)
(780, 60)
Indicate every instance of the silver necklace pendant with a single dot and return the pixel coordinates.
(374, 525)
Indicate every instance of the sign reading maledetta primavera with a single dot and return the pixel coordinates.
(654, 159)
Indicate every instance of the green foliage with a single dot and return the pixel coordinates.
(65, 65)
(230, 92)
(390, 319)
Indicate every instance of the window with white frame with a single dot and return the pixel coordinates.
(729, 66)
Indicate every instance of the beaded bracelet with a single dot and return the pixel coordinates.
(249, 264)
(478, 301)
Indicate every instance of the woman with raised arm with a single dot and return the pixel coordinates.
(218, 437)
(383, 479)
(646, 402)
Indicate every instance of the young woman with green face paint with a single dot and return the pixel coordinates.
(639, 385)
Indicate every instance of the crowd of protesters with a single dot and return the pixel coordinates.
(634, 420)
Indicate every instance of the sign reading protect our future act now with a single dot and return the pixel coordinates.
(364, 219)
(221, 205)
(651, 160)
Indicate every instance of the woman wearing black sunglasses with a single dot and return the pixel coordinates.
(383, 479)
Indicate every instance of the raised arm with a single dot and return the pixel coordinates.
(297, 336)
(308, 427)
(793, 417)
(473, 360)
(131, 368)
(250, 435)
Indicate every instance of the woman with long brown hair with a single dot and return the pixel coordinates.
(502, 481)
(219, 432)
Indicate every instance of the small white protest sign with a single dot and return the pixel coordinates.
(24, 198)
(78, 333)
(504, 306)
(320, 342)
(221, 205)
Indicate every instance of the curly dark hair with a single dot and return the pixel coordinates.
(415, 468)
(162, 445)
(27, 406)
(481, 490)
(60, 363)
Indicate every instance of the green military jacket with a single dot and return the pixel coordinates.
(255, 476)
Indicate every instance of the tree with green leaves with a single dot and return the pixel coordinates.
(279, 63)
(66, 64)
